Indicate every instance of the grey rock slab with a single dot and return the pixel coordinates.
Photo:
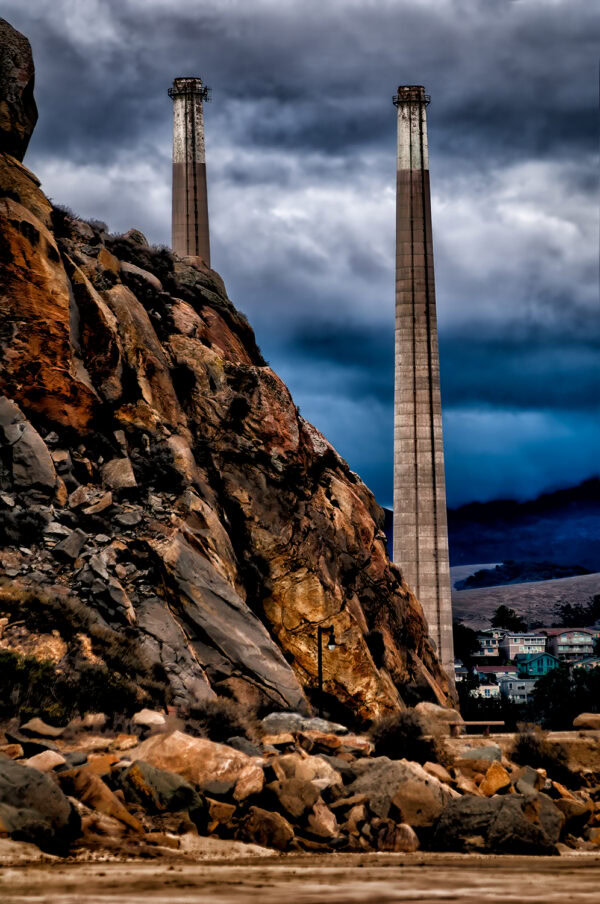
(208, 604)
(49, 821)
(502, 825)
(32, 464)
(382, 778)
(129, 519)
(56, 531)
(279, 723)
(244, 746)
(118, 474)
(68, 549)
(490, 752)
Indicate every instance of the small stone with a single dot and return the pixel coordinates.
(321, 821)
(129, 519)
(244, 745)
(149, 718)
(105, 501)
(136, 236)
(590, 721)
(8, 501)
(397, 838)
(51, 438)
(251, 781)
(61, 494)
(69, 548)
(266, 829)
(219, 813)
(118, 474)
(102, 538)
(81, 496)
(438, 771)
(45, 761)
(56, 531)
(13, 751)
(496, 779)
(121, 441)
(279, 740)
(94, 721)
(37, 728)
(62, 460)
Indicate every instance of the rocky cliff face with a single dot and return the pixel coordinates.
(164, 508)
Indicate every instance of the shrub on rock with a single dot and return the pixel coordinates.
(532, 748)
(400, 736)
(221, 719)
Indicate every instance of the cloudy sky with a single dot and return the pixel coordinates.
(301, 164)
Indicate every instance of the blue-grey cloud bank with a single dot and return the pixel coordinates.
(301, 167)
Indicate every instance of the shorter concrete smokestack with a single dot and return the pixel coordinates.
(190, 234)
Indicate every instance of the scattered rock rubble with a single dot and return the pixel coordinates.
(306, 784)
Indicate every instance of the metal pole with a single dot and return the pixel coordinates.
(320, 669)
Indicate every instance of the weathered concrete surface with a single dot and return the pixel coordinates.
(190, 234)
(420, 525)
(336, 878)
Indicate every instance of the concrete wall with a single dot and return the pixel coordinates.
(420, 524)
(190, 235)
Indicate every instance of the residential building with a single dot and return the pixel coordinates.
(535, 664)
(570, 644)
(485, 672)
(517, 690)
(489, 641)
(488, 691)
(514, 642)
(590, 662)
(460, 671)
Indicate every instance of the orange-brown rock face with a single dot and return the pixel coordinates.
(158, 484)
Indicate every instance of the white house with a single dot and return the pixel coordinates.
(487, 691)
(517, 689)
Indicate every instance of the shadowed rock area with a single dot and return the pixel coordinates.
(165, 512)
(18, 111)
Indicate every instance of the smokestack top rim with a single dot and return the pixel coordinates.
(189, 85)
(411, 94)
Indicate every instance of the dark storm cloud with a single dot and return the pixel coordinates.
(301, 161)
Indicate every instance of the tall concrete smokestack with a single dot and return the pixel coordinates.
(190, 206)
(420, 521)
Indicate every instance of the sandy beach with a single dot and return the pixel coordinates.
(309, 879)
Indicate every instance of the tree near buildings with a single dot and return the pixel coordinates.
(505, 617)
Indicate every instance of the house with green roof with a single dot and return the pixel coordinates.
(535, 664)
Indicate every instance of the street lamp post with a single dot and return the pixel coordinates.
(330, 646)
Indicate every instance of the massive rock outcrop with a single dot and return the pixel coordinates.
(164, 508)
(18, 112)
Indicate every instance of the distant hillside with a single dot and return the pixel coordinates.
(535, 602)
(518, 573)
(562, 527)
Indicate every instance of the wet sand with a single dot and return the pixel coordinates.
(309, 879)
